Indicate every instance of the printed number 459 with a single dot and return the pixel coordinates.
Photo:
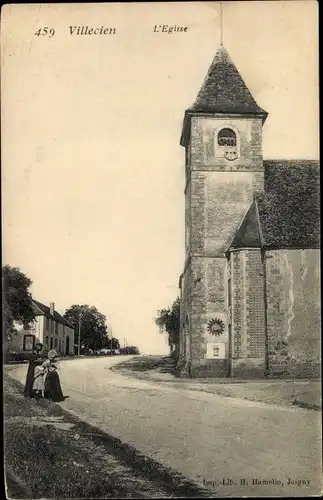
(45, 32)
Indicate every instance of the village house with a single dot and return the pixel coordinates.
(49, 328)
(250, 289)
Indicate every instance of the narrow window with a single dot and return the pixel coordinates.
(229, 293)
(230, 337)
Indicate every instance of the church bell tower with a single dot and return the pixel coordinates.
(222, 137)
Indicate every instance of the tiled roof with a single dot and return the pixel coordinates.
(288, 212)
(247, 235)
(223, 91)
(45, 310)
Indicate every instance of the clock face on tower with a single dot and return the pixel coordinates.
(231, 154)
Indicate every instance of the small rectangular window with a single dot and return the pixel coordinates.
(216, 351)
(51, 343)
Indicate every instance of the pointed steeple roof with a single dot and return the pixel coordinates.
(224, 91)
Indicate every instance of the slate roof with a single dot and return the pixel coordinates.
(223, 91)
(247, 235)
(287, 214)
(45, 311)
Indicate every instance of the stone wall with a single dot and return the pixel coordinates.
(203, 137)
(255, 305)
(221, 190)
(183, 365)
(203, 299)
(218, 203)
(248, 339)
(218, 193)
(198, 310)
(293, 312)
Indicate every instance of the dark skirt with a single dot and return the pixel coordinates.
(28, 389)
(53, 390)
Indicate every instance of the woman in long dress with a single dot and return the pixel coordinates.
(35, 360)
(53, 390)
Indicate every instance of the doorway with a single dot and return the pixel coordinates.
(67, 349)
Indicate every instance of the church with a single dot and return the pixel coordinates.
(250, 287)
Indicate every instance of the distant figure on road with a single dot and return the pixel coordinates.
(35, 360)
(53, 390)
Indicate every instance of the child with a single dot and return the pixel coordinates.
(35, 360)
(39, 385)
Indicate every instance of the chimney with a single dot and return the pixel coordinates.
(52, 308)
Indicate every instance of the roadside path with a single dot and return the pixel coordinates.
(228, 443)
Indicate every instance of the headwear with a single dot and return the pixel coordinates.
(52, 354)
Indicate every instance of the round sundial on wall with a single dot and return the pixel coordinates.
(215, 326)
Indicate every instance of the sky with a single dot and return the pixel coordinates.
(92, 169)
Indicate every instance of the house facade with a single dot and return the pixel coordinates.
(49, 328)
(250, 289)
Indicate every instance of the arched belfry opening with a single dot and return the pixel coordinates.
(227, 137)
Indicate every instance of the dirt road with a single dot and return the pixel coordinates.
(234, 447)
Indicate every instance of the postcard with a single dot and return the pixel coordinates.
(161, 249)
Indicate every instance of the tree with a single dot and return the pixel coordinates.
(107, 343)
(130, 349)
(93, 325)
(17, 303)
(168, 321)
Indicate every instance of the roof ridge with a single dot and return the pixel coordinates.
(46, 312)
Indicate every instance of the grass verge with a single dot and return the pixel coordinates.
(45, 462)
(283, 392)
(52, 454)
